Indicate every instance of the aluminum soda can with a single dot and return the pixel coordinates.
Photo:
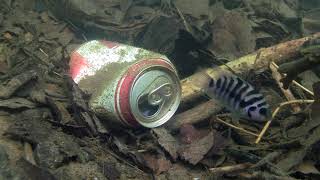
(127, 84)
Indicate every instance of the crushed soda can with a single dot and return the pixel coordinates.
(127, 84)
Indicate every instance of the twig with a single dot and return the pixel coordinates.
(29, 153)
(236, 127)
(287, 93)
(295, 82)
(194, 115)
(275, 112)
(183, 19)
(280, 53)
(229, 169)
(125, 161)
(44, 52)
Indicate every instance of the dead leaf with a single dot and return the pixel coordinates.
(292, 159)
(16, 103)
(28, 37)
(157, 165)
(308, 78)
(7, 36)
(193, 8)
(109, 170)
(315, 112)
(3, 67)
(195, 152)
(63, 113)
(16, 82)
(167, 141)
(308, 167)
(65, 37)
(189, 134)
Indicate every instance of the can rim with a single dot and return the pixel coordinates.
(124, 88)
(174, 105)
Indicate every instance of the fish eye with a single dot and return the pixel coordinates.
(252, 108)
(211, 83)
(263, 111)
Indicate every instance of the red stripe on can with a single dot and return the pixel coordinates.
(109, 44)
(77, 63)
(124, 87)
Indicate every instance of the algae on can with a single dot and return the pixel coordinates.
(127, 84)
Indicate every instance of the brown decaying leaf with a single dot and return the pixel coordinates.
(16, 103)
(188, 134)
(16, 82)
(167, 141)
(157, 165)
(194, 152)
(3, 67)
(308, 167)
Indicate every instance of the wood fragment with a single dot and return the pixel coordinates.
(287, 93)
(296, 83)
(230, 169)
(259, 61)
(29, 153)
(236, 127)
(194, 115)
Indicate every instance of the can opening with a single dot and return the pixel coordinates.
(155, 96)
(146, 108)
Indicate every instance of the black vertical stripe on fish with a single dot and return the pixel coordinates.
(224, 84)
(218, 90)
(237, 98)
(218, 83)
(234, 90)
(211, 83)
(230, 85)
(244, 103)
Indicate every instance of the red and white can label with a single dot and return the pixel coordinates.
(110, 97)
(88, 59)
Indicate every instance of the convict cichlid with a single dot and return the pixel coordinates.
(237, 95)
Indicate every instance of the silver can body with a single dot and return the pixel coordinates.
(127, 84)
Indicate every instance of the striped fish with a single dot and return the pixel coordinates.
(238, 96)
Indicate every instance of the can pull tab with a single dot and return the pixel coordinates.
(154, 96)
(157, 96)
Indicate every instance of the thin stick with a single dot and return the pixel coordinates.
(29, 153)
(183, 19)
(295, 82)
(44, 52)
(235, 127)
(303, 88)
(287, 93)
(229, 169)
(275, 112)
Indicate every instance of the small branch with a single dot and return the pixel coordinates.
(259, 61)
(183, 19)
(230, 169)
(275, 112)
(29, 153)
(295, 82)
(287, 93)
(235, 127)
(194, 115)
